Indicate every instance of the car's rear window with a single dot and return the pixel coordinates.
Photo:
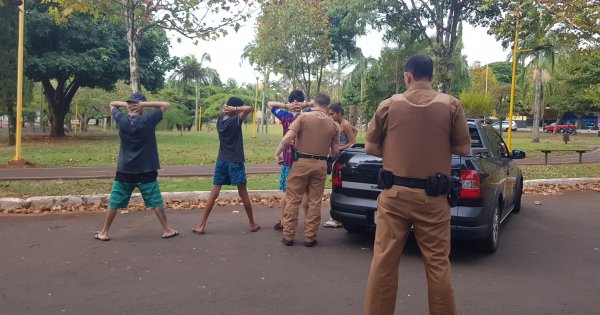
(475, 139)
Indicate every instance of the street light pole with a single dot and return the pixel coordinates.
(18, 156)
(512, 83)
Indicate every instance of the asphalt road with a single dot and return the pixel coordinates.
(547, 263)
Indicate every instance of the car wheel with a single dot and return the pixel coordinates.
(354, 229)
(490, 243)
(517, 207)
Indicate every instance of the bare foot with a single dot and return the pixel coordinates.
(198, 230)
(254, 228)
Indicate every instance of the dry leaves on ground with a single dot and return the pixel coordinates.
(551, 189)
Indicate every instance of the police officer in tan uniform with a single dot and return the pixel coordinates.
(415, 134)
(317, 136)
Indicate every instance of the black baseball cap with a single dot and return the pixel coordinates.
(136, 98)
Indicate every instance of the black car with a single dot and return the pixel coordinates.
(491, 188)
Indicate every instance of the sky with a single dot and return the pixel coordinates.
(226, 52)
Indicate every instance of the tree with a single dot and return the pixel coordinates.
(478, 100)
(9, 21)
(190, 70)
(577, 18)
(393, 58)
(300, 52)
(442, 16)
(347, 19)
(92, 103)
(194, 19)
(178, 116)
(476, 104)
(503, 71)
(84, 52)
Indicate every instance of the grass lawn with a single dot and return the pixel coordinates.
(522, 141)
(102, 148)
(580, 170)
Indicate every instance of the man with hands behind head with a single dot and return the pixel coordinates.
(138, 163)
(230, 169)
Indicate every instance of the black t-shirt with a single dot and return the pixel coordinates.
(138, 152)
(231, 147)
(143, 178)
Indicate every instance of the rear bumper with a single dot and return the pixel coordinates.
(467, 223)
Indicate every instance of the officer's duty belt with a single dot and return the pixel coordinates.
(410, 182)
(310, 156)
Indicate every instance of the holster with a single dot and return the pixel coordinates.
(294, 154)
(385, 179)
(438, 184)
(454, 194)
(330, 160)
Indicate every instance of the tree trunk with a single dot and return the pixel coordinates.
(535, 135)
(57, 126)
(352, 117)
(59, 103)
(132, 35)
(339, 79)
(12, 123)
(443, 69)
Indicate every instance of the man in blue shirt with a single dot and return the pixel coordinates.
(138, 161)
(230, 168)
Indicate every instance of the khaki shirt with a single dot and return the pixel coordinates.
(316, 132)
(418, 131)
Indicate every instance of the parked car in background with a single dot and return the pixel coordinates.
(491, 188)
(559, 127)
(496, 125)
(591, 126)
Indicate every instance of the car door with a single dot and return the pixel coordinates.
(505, 172)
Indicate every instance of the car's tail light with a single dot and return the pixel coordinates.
(471, 185)
(336, 174)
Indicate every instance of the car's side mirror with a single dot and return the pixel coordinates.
(518, 154)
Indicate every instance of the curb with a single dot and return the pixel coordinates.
(563, 181)
(183, 200)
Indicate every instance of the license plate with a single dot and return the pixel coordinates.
(375, 216)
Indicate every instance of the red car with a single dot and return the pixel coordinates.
(559, 128)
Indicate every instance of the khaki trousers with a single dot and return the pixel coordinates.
(306, 176)
(398, 208)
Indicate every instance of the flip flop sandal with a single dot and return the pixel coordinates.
(97, 237)
(170, 235)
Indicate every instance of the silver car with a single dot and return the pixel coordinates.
(496, 125)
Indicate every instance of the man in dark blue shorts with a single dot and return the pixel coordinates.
(138, 161)
(229, 169)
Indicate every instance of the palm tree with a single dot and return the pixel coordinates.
(192, 70)
(541, 63)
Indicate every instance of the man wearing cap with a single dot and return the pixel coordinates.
(138, 160)
(415, 133)
(317, 136)
(230, 169)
